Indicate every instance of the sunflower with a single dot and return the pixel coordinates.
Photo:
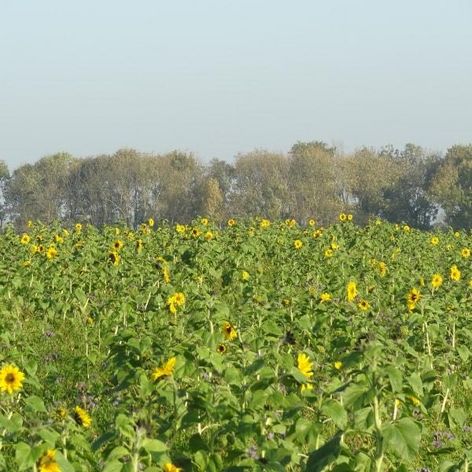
(58, 239)
(209, 236)
(265, 223)
(434, 241)
(231, 222)
(204, 221)
(229, 331)
(25, 239)
(81, 417)
(436, 280)
(114, 258)
(180, 229)
(465, 253)
(51, 253)
(342, 217)
(349, 217)
(245, 276)
(455, 273)
(351, 291)
(78, 227)
(47, 462)
(221, 348)
(304, 364)
(363, 305)
(328, 253)
(311, 222)
(166, 370)
(196, 232)
(325, 297)
(290, 223)
(11, 379)
(382, 269)
(150, 222)
(176, 300)
(412, 298)
(297, 244)
(169, 467)
(118, 244)
(317, 233)
(338, 365)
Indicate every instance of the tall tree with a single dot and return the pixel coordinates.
(452, 186)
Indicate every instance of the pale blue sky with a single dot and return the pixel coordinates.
(220, 77)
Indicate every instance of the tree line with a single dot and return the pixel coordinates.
(312, 180)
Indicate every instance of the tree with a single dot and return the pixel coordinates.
(452, 186)
(261, 185)
(315, 189)
(4, 176)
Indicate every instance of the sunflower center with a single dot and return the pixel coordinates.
(10, 378)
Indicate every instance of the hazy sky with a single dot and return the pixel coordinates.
(218, 77)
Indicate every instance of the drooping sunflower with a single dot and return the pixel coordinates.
(81, 417)
(47, 462)
(229, 331)
(351, 291)
(165, 370)
(114, 258)
(304, 364)
(11, 379)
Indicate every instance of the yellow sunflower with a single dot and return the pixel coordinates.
(436, 280)
(304, 364)
(455, 273)
(166, 370)
(169, 467)
(412, 298)
(351, 291)
(297, 244)
(11, 379)
(81, 417)
(47, 462)
(229, 331)
(25, 239)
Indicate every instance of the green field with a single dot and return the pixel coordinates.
(257, 346)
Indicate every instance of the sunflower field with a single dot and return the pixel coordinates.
(260, 346)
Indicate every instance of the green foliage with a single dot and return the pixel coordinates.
(219, 353)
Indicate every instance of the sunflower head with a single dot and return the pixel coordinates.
(81, 417)
(11, 379)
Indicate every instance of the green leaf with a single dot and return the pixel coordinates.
(323, 456)
(402, 438)
(23, 456)
(334, 410)
(395, 378)
(36, 404)
(154, 445)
